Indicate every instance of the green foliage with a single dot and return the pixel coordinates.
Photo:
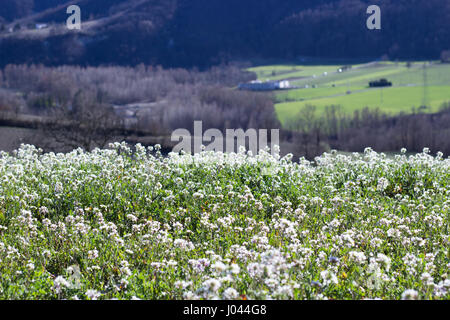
(121, 224)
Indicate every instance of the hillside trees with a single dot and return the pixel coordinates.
(445, 56)
(87, 123)
(81, 106)
(178, 33)
(13, 9)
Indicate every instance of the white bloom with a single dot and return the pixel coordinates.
(410, 295)
(93, 294)
(198, 195)
(92, 254)
(357, 257)
(212, 285)
(132, 217)
(384, 260)
(383, 183)
(183, 244)
(427, 278)
(30, 266)
(181, 285)
(328, 278)
(235, 268)
(219, 266)
(230, 294)
(60, 283)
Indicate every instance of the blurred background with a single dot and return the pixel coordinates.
(139, 69)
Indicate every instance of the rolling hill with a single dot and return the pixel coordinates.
(323, 86)
(187, 33)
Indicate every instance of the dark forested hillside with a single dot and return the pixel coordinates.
(185, 33)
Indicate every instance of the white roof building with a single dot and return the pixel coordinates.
(265, 86)
(40, 26)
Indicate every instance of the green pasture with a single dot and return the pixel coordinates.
(390, 100)
(291, 71)
(414, 84)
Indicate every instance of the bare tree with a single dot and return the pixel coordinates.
(86, 123)
(308, 130)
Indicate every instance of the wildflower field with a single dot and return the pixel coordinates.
(125, 224)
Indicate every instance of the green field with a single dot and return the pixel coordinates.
(132, 224)
(413, 86)
(392, 100)
(291, 71)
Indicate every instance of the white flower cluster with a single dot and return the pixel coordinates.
(132, 224)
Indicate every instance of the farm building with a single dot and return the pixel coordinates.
(265, 86)
(40, 26)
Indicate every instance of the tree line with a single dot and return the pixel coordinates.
(91, 106)
(87, 103)
(178, 33)
(313, 133)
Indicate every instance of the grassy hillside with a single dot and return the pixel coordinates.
(350, 89)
